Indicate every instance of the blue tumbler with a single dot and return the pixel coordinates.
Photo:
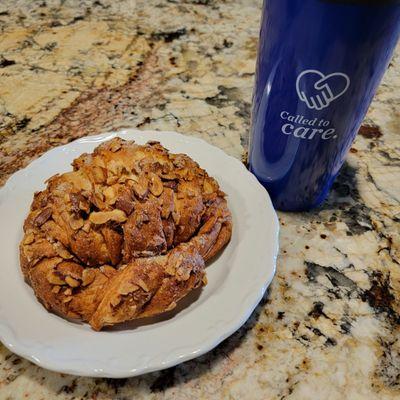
(319, 65)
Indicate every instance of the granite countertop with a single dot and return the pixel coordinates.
(329, 327)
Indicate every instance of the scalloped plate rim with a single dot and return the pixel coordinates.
(12, 342)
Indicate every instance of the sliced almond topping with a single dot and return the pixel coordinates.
(171, 306)
(112, 179)
(128, 287)
(102, 217)
(175, 214)
(176, 217)
(84, 205)
(155, 185)
(143, 285)
(167, 203)
(189, 175)
(86, 226)
(115, 145)
(76, 223)
(169, 176)
(98, 195)
(56, 289)
(88, 276)
(68, 291)
(208, 186)
(115, 167)
(110, 195)
(98, 174)
(29, 238)
(69, 269)
(132, 178)
(67, 299)
(166, 167)
(78, 202)
(115, 301)
(43, 216)
(179, 160)
(62, 251)
(123, 178)
(190, 193)
(173, 264)
(183, 173)
(54, 279)
(71, 281)
(79, 180)
(98, 161)
(141, 187)
(183, 272)
(137, 168)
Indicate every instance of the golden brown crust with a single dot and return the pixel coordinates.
(124, 235)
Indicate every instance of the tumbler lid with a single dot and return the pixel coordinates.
(364, 2)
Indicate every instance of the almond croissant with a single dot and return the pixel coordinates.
(125, 235)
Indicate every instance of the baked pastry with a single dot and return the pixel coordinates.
(124, 235)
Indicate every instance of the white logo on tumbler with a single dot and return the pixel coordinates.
(318, 90)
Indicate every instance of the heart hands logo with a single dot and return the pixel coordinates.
(318, 90)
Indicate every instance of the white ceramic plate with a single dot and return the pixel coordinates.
(237, 279)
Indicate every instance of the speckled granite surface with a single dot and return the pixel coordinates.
(330, 325)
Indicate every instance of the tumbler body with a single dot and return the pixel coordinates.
(319, 64)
